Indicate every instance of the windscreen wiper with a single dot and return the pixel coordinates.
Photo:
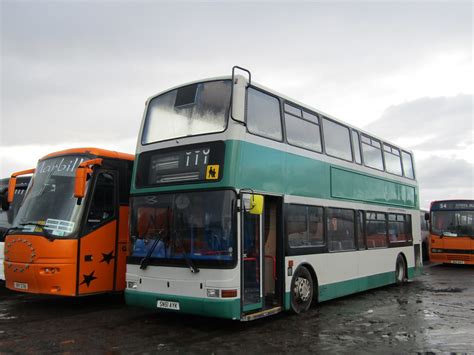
(46, 234)
(194, 269)
(146, 260)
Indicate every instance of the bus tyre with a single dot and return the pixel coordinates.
(301, 290)
(400, 271)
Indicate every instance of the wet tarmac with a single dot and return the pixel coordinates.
(434, 313)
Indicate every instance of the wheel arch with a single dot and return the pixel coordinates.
(314, 276)
(403, 256)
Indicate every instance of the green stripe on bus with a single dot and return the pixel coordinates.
(344, 288)
(253, 166)
(355, 186)
(220, 308)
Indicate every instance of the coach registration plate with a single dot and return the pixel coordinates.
(20, 285)
(457, 262)
(168, 305)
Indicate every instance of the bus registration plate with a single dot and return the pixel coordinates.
(20, 285)
(168, 305)
(457, 262)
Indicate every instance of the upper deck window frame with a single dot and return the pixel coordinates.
(374, 143)
(147, 107)
(309, 117)
(325, 118)
(392, 151)
(282, 139)
(410, 155)
(356, 148)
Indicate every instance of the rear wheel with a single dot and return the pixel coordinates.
(400, 271)
(301, 290)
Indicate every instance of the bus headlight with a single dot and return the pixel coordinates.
(436, 250)
(213, 292)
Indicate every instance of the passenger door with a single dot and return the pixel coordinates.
(98, 244)
(251, 256)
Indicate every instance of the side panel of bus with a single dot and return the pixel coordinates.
(97, 247)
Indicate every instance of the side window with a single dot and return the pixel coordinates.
(408, 165)
(376, 230)
(302, 128)
(337, 141)
(356, 147)
(372, 151)
(305, 226)
(340, 227)
(397, 228)
(103, 203)
(360, 230)
(408, 228)
(393, 163)
(423, 222)
(263, 115)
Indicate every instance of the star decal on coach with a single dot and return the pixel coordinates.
(107, 257)
(88, 279)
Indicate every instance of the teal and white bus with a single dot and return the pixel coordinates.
(246, 203)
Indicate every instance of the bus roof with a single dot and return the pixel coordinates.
(93, 151)
(284, 97)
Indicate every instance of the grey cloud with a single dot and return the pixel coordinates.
(448, 121)
(444, 178)
(438, 172)
(70, 67)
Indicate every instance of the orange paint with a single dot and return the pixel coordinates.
(452, 244)
(28, 258)
(91, 261)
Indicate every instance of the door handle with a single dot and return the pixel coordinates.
(88, 257)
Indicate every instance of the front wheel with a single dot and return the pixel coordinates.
(301, 290)
(400, 271)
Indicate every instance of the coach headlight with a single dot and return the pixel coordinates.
(436, 250)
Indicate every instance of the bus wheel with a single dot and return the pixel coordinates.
(400, 273)
(301, 290)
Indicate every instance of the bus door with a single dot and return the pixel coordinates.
(98, 242)
(251, 256)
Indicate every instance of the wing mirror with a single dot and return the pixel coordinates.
(12, 183)
(253, 204)
(82, 174)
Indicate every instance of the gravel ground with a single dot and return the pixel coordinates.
(434, 313)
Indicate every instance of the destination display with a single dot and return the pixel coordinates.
(193, 163)
(452, 205)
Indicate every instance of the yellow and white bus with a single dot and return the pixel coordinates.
(246, 203)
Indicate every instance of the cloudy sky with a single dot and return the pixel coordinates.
(77, 73)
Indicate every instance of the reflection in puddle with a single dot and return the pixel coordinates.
(430, 315)
(6, 316)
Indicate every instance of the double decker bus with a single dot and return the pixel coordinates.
(246, 203)
(452, 231)
(70, 236)
(9, 211)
